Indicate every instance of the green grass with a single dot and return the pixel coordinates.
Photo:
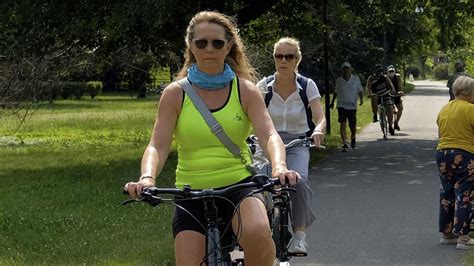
(62, 175)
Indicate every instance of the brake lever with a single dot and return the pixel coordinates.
(125, 202)
(312, 146)
(288, 189)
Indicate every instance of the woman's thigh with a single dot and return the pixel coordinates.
(297, 159)
(454, 165)
(189, 248)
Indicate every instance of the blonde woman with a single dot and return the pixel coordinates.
(220, 73)
(293, 102)
(455, 159)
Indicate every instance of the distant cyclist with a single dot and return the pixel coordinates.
(380, 87)
(396, 80)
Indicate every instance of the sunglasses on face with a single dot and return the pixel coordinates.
(288, 57)
(202, 43)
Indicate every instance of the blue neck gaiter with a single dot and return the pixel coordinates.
(210, 82)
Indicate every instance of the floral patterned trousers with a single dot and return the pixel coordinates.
(456, 173)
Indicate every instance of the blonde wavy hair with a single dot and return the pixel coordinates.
(236, 58)
(292, 42)
(463, 86)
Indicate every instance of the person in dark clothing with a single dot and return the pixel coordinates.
(396, 80)
(459, 66)
(380, 88)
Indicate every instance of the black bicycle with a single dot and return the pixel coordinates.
(279, 203)
(219, 245)
(383, 116)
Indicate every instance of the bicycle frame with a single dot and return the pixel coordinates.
(213, 235)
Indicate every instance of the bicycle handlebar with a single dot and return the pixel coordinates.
(303, 141)
(150, 195)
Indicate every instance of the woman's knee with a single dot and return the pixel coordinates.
(251, 222)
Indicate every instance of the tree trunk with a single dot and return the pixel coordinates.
(422, 66)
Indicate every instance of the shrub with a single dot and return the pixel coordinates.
(413, 70)
(94, 88)
(441, 71)
(73, 89)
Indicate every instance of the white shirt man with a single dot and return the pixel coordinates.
(348, 86)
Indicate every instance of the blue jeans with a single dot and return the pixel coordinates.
(456, 173)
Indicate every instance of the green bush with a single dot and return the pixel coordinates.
(441, 72)
(72, 89)
(413, 70)
(94, 88)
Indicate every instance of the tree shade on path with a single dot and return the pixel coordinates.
(378, 204)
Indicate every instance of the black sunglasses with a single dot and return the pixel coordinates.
(288, 57)
(202, 43)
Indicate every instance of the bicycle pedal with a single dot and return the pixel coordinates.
(298, 254)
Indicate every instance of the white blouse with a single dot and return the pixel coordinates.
(289, 115)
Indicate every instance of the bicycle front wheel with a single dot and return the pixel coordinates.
(383, 123)
(277, 231)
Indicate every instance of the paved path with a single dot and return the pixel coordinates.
(378, 204)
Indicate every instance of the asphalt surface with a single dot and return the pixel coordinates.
(378, 204)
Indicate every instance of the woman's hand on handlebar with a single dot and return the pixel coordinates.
(134, 189)
(286, 176)
(318, 138)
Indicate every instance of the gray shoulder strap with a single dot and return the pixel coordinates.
(215, 127)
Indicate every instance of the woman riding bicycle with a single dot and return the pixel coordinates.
(222, 76)
(288, 96)
(380, 88)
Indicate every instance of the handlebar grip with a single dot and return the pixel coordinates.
(276, 181)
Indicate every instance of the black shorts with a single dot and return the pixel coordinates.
(385, 99)
(183, 221)
(397, 99)
(345, 114)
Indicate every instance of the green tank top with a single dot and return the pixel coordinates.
(203, 161)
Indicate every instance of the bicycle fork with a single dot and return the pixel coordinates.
(213, 239)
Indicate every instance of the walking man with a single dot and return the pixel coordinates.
(348, 86)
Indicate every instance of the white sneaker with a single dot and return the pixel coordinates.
(448, 239)
(297, 246)
(465, 244)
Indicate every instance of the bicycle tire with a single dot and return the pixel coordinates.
(277, 231)
(383, 123)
